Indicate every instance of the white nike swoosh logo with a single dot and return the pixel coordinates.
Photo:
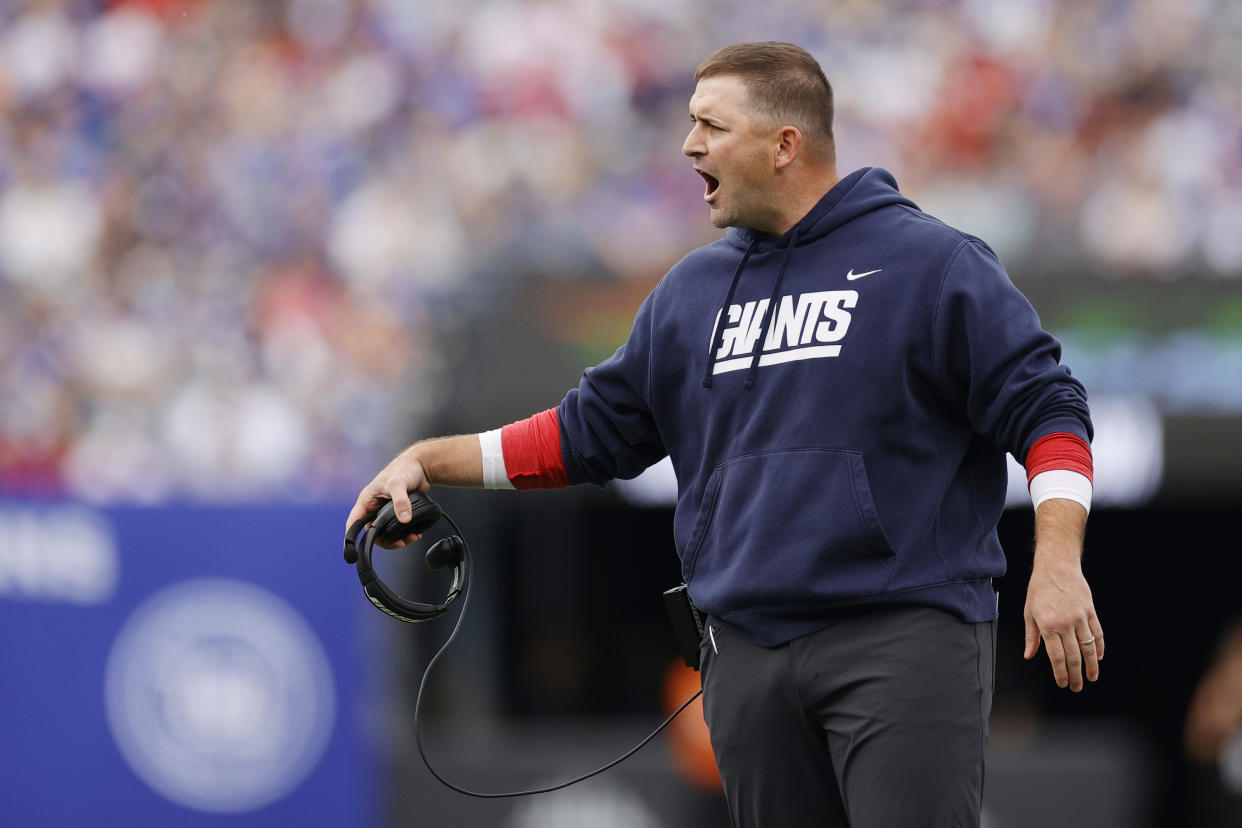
(852, 275)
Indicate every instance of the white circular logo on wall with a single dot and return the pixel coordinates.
(219, 695)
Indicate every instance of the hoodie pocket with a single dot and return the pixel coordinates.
(794, 525)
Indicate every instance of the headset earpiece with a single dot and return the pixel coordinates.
(424, 513)
(446, 552)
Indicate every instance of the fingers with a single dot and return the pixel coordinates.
(1076, 655)
(1073, 662)
(368, 501)
(1032, 638)
(1092, 646)
(1090, 659)
(372, 499)
(1096, 630)
(1057, 658)
(1084, 652)
(400, 502)
(404, 474)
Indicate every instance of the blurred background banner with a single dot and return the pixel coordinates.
(249, 250)
(179, 666)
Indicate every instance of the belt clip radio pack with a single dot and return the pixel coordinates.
(687, 623)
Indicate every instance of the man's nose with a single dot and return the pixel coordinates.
(693, 146)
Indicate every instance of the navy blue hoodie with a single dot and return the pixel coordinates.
(839, 430)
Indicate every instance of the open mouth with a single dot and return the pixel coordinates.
(713, 184)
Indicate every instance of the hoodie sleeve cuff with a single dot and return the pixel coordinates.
(532, 452)
(1059, 451)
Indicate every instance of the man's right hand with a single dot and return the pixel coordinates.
(451, 461)
(403, 475)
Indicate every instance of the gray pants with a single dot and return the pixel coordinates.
(880, 720)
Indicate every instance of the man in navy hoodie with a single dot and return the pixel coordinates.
(837, 383)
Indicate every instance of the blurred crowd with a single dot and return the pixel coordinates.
(233, 234)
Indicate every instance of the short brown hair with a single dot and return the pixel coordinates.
(785, 84)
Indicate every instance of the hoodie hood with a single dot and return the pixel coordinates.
(858, 193)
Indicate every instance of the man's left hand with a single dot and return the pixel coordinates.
(1060, 611)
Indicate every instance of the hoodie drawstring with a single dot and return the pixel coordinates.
(718, 335)
(770, 310)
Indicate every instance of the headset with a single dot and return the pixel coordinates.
(382, 526)
(385, 527)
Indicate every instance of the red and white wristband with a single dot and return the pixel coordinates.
(1060, 466)
(525, 454)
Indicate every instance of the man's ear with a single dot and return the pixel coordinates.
(788, 146)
